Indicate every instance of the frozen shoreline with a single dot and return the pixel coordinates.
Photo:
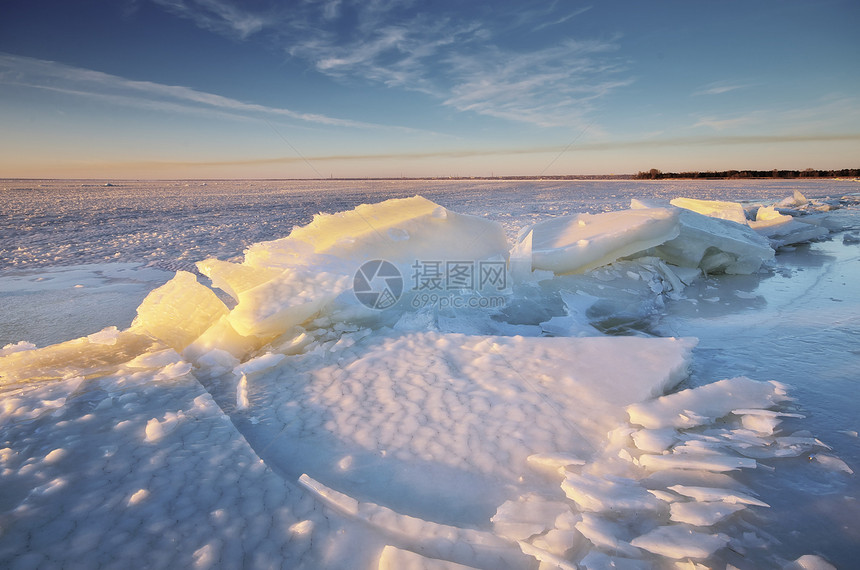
(156, 399)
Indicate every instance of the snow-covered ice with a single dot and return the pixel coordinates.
(265, 411)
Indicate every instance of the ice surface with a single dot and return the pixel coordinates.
(208, 412)
(432, 397)
(574, 244)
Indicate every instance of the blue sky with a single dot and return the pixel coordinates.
(343, 88)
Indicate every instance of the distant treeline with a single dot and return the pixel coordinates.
(655, 174)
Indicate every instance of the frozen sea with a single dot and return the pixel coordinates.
(316, 480)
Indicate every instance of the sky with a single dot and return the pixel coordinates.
(165, 89)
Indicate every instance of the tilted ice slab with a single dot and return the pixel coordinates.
(574, 244)
(393, 558)
(598, 494)
(784, 230)
(285, 282)
(731, 211)
(698, 406)
(779, 229)
(398, 230)
(715, 245)
(680, 541)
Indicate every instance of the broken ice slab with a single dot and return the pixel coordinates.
(702, 513)
(731, 211)
(715, 245)
(712, 494)
(286, 282)
(786, 230)
(795, 200)
(235, 278)
(595, 560)
(680, 541)
(179, 311)
(393, 558)
(293, 297)
(575, 244)
(607, 535)
(433, 539)
(547, 559)
(703, 462)
(702, 405)
(527, 516)
(554, 461)
(78, 357)
(603, 494)
(655, 440)
(398, 230)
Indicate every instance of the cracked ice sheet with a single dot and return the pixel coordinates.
(133, 471)
(440, 426)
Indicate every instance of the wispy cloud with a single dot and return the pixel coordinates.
(555, 86)
(836, 113)
(556, 21)
(728, 123)
(720, 87)
(220, 16)
(465, 63)
(392, 52)
(95, 85)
